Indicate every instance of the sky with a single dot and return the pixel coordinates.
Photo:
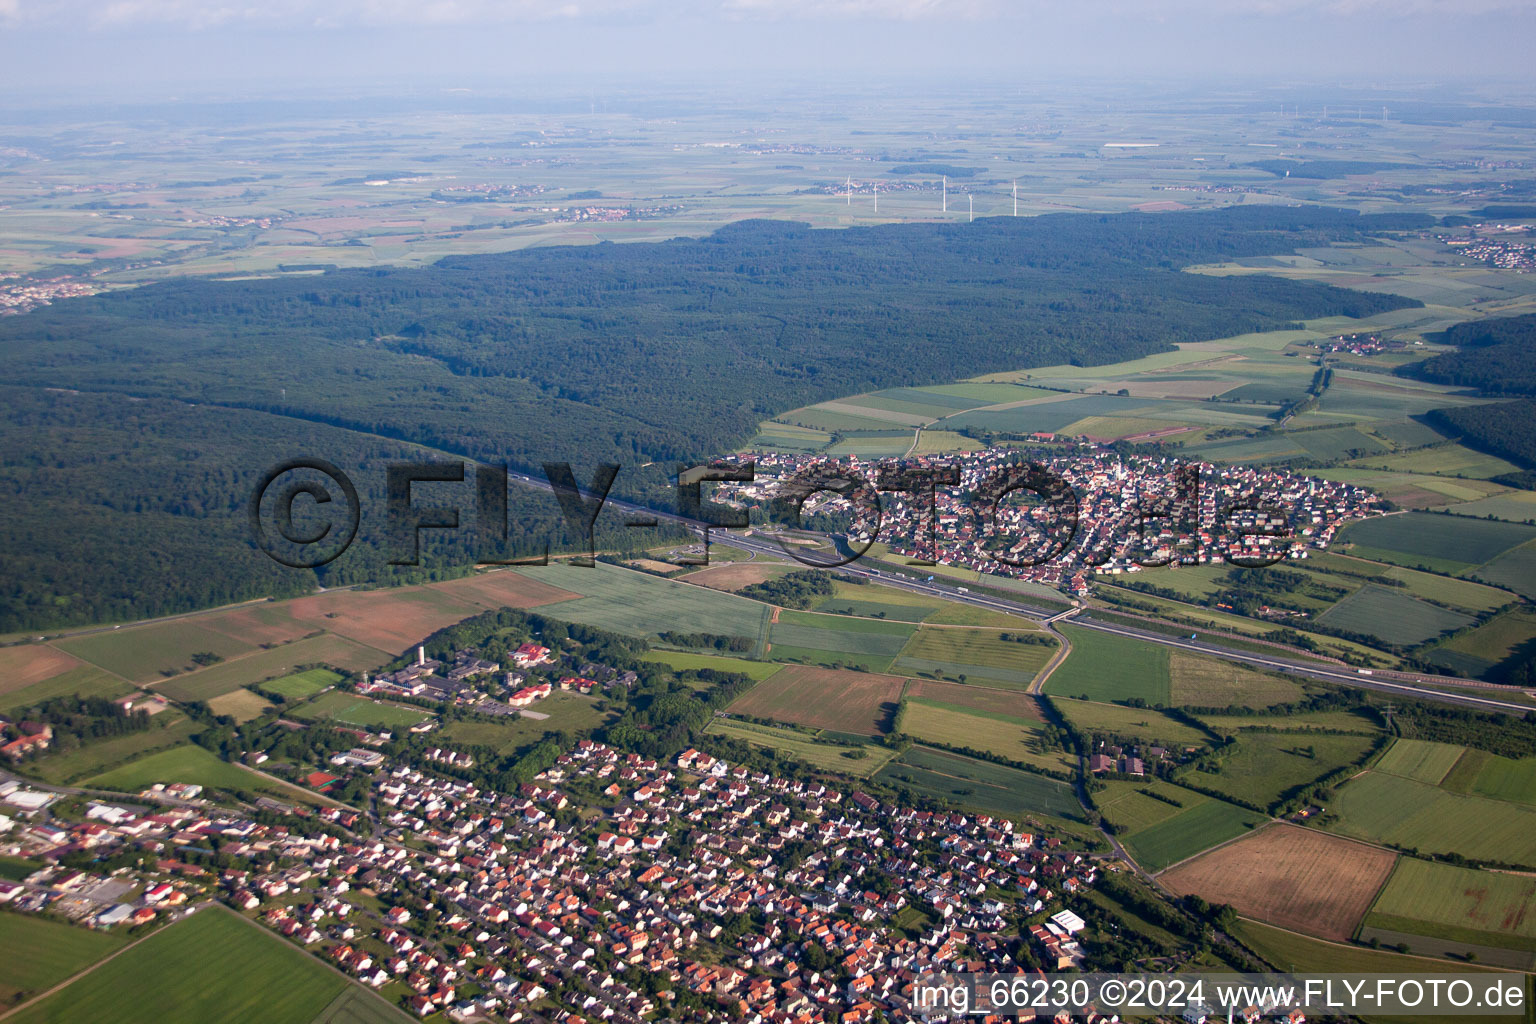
(133, 47)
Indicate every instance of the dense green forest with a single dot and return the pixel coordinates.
(645, 353)
(1496, 355)
(114, 508)
(1505, 429)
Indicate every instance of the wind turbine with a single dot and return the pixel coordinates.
(877, 197)
(973, 205)
(1015, 197)
(850, 190)
(945, 193)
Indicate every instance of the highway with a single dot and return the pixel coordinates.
(760, 544)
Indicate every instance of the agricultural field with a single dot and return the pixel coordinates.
(1392, 616)
(880, 603)
(1514, 569)
(974, 654)
(732, 576)
(194, 765)
(210, 966)
(631, 602)
(350, 709)
(860, 761)
(1479, 650)
(1267, 766)
(842, 700)
(1479, 773)
(39, 954)
(1421, 539)
(304, 684)
(1484, 908)
(831, 640)
(1106, 667)
(390, 619)
(87, 681)
(1288, 951)
(1390, 809)
(682, 661)
(953, 614)
(1419, 760)
(167, 729)
(1293, 877)
(1196, 828)
(1364, 723)
(1444, 460)
(1213, 683)
(987, 787)
(27, 665)
(981, 698)
(1131, 806)
(1143, 725)
(143, 653)
(326, 649)
(499, 588)
(241, 705)
(1015, 738)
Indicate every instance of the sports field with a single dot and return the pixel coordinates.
(1414, 815)
(1461, 904)
(978, 655)
(1106, 667)
(860, 703)
(860, 761)
(1267, 766)
(1141, 725)
(302, 684)
(980, 785)
(40, 953)
(1186, 833)
(350, 709)
(211, 966)
(1290, 876)
(1213, 683)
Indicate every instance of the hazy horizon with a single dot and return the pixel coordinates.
(172, 49)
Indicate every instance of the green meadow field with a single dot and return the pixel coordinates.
(981, 785)
(40, 953)
(211, 966)
(1415, 815)
(979, 655)
(860, 761)
(1457, 903)
(1106, 667)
